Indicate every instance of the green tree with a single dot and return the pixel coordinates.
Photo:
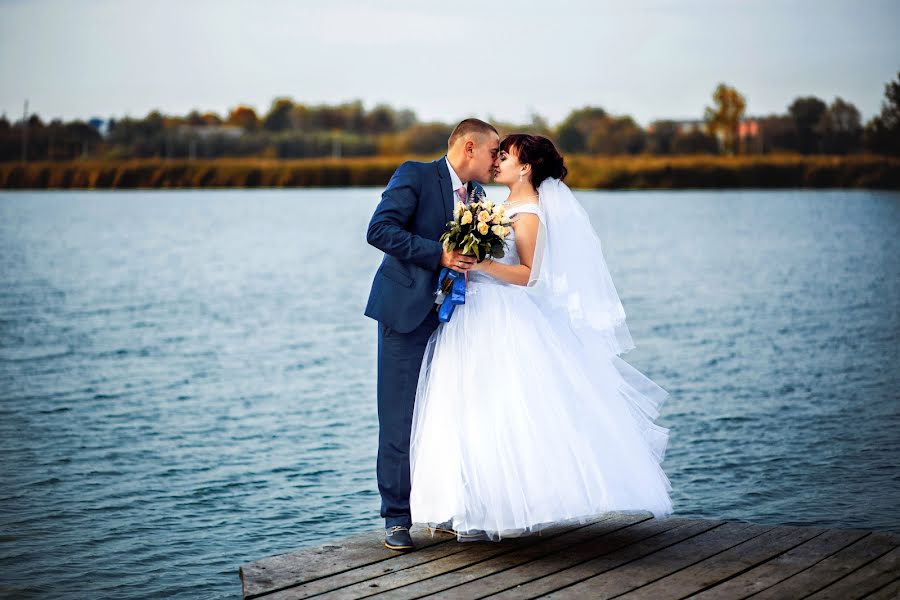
(616, 135)
(538, 125)
(722, 120)
(577, 127)
(381, 119)
(570, 138)
(882, 133)
(661, 136)
(696, 142)
(194, 118)
(807, 113)
(841, 128)
(778, 134)
(279, 116)
(427, 138)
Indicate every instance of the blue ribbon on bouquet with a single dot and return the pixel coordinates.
(457, 293)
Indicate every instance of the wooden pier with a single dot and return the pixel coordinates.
(618, 556)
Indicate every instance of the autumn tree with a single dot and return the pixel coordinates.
(243, 117)
(722, 120)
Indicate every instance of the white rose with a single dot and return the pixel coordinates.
(482, 228)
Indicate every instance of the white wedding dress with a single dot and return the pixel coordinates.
(520, 422)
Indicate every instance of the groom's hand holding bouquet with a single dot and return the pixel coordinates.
(478, 230)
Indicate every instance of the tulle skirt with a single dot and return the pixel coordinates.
(518, 424)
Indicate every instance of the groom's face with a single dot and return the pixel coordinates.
(485, 157)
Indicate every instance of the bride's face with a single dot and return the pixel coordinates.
(510, 168)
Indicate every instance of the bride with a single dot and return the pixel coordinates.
(525, 415)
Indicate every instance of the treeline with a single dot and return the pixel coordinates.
(645, 172)
(288, 130)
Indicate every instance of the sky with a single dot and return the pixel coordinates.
(650, 59)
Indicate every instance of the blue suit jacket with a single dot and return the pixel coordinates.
(413, 213)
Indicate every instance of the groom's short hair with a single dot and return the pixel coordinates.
(470, 126)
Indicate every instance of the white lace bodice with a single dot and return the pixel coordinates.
(511, 256)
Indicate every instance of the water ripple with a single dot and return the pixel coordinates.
(188, 381)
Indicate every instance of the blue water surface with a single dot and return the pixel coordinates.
(187, 382)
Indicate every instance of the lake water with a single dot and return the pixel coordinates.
(187, 379)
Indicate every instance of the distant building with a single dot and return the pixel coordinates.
(206, 131)
(748, 128)
(101, 125)
(689, 125)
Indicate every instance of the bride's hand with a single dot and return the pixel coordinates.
(483, 265)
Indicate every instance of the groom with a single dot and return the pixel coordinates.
(406, 225)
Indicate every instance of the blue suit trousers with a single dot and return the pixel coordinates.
(399, 361)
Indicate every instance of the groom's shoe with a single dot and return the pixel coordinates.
(398, 538)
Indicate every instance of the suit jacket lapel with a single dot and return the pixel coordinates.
(446, 194)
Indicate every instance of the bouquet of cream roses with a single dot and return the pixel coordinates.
(478, 229)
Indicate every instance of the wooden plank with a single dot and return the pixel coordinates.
(889, 592)
(522, 566)
(292, 568)
(621, 554)
(560, 579)
(781, 567)
(387, 585)
(724, 565)
(447, 584)
(863, 580)
(833, 568)
(366, 572)
(659, 564)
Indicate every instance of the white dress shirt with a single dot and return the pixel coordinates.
(455, 181)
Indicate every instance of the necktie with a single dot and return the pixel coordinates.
(461, 193)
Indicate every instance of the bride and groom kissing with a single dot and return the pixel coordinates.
(517, 412)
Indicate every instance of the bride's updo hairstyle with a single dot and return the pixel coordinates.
(539, 152)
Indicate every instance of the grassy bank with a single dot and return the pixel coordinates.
(584, 172)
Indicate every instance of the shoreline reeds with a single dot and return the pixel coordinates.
(585, 172)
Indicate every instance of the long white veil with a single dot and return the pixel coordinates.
(569, 276)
